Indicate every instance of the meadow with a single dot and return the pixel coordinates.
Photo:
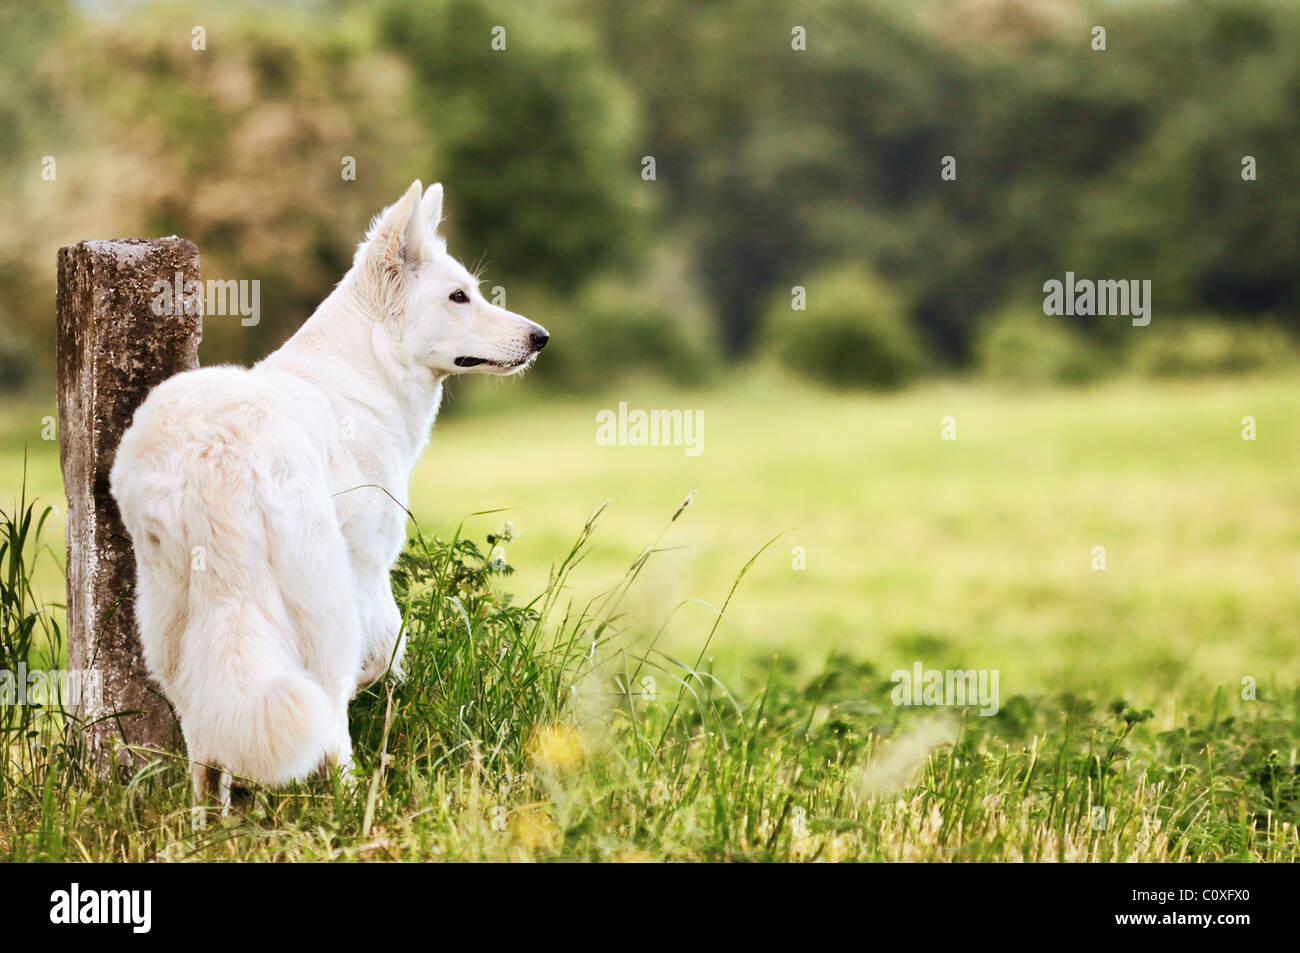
(714, 682)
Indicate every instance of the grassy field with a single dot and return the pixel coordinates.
(1122, 733)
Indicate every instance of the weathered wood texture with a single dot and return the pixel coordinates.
(112, 349)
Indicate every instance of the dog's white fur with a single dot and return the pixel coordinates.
(267, 505)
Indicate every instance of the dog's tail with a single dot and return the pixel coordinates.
(251, 711)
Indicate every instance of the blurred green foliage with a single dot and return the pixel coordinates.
(771, 162)
(1204, 347)
(1027, 349)
(852, 331)
(619, 326)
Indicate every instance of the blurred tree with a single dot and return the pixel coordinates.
(778, 158)
(1223, 83)
(532, 134)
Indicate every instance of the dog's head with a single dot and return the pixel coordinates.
(430, 303)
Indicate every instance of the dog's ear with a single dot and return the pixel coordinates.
(398, 232)
(431, 207)
(392, 251)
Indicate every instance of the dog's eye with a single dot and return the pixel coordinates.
(459, 297)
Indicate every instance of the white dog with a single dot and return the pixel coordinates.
(267, 505)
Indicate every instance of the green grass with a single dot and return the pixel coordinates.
(770, 733)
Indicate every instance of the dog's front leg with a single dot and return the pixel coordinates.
(385, 640)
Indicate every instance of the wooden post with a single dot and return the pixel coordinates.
(113, 347)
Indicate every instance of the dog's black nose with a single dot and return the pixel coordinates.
(539, 339)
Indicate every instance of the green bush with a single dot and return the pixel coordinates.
(1204, 347)
(855, 331)
(1030, 349)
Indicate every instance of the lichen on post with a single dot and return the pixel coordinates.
(115, 343)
